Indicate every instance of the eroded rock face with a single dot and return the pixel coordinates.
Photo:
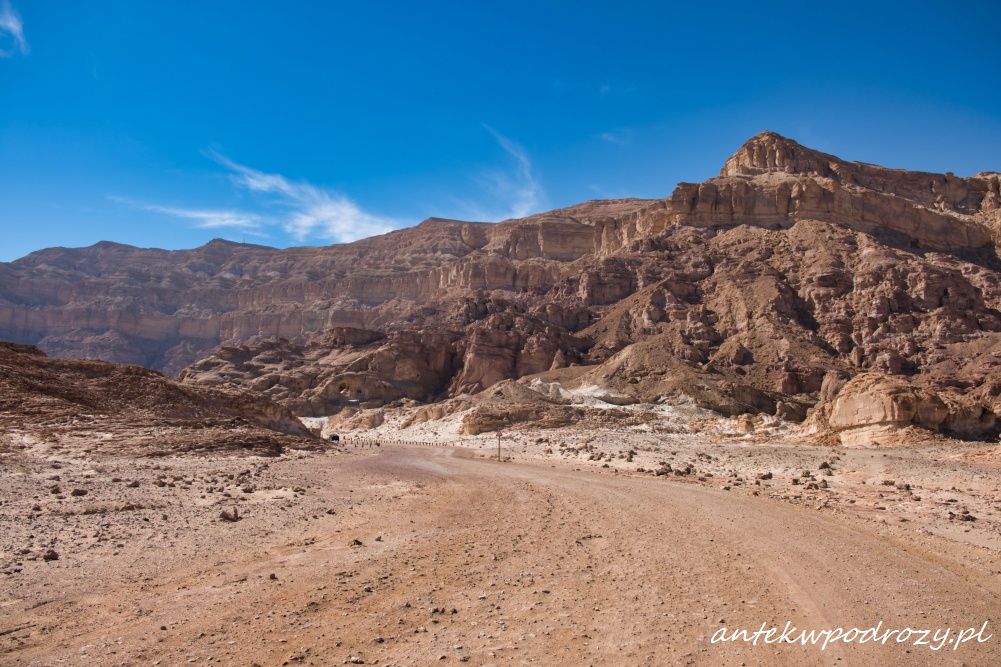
(347, 368)
(351, 368)
(763, 290)
(507, 345)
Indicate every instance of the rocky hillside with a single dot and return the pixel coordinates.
(79, 407)
(858, 298)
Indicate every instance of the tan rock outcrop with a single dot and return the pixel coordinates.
(871, 409)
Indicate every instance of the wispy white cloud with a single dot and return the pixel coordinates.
(202, 218)
(12, 38)
(517, 188)
(309, 211)
(618, 137)
(306, 211)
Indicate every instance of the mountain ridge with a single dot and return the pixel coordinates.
(775, 282)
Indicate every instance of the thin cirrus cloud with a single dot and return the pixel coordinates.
(12, 38)
(308, 211)
(518, 189)
(202, 218)
(618, 137)
(301, 210)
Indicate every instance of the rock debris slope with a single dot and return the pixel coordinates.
(73, 408)
(858, 299)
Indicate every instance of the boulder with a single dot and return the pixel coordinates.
(872, 409)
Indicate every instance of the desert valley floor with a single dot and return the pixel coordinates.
(434, 552)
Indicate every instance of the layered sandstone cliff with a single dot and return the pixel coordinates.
(773, 182)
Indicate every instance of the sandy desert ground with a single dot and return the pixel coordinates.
(435, 553)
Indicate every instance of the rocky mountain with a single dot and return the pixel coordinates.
(58, 407)
(795, 283)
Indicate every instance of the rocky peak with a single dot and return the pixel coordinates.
(442, 223)
(225, 245)
(771, 152)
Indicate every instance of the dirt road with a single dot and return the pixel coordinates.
(504, 563)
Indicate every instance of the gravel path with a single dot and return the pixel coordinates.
(445, 556)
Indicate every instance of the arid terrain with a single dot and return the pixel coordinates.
(415, 555)
(590, 436)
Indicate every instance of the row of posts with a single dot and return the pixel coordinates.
(367, 443)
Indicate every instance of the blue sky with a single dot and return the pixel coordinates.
(170, 123)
